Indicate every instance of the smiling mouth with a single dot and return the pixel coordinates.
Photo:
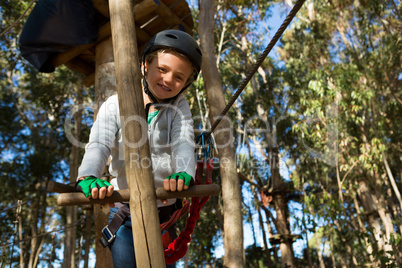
(165, 88)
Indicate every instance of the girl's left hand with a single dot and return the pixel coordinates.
(177, 182)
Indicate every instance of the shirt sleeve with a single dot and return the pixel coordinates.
(101, 139)
(182, 140)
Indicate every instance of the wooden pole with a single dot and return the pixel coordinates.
(143, 207)
(77, 198)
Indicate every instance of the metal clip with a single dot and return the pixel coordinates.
(107, 236)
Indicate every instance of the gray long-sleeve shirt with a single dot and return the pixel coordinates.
(171, 140)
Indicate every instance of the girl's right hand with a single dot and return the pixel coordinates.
(94, 187)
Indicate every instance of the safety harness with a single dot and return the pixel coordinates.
(177, 248)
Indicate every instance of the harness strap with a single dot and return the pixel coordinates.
(109, 231)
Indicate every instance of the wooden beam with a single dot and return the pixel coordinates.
(77, 198)
(80, 66)
(89, 80)
(145, 8)
(143, 206)
(170, 18)
(68, 55)
(182, 10)
(103, 32)
(193, 191)
(102, 7)
(56, 187)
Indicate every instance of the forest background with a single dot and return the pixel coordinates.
(319, 126)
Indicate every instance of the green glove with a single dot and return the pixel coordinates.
(188, 180)
(89, 183)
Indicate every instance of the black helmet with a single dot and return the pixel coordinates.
(180, 41)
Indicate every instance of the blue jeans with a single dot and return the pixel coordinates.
(122, 247)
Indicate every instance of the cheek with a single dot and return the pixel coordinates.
(152, 76)
(179, 86)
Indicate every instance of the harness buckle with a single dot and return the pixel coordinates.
(107, 236)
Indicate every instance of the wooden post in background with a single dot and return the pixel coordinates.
(143, 207)
(105, 86)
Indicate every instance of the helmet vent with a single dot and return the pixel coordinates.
(171, 36)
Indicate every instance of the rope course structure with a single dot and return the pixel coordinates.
(194, 192)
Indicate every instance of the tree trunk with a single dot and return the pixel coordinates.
(71, 211)
(103, 255)
(384, 215)
(231, 194)
(281, 209)
(370, 209)
(362, 229)
(264, 237)
(52, 252)
(319, 252)
(39, 216)
(105, 86)
(20, 234)
(68, 246)
(87, 237)
(282, 228)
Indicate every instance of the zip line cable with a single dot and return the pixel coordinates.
(262, 57)
(15, 23)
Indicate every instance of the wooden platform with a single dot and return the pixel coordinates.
(151, 17)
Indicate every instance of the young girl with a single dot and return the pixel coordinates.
(170, 62)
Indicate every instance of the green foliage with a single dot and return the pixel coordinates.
(335, 90)
(345, 54)
(256, 257)
(329, 101)
(34, 147)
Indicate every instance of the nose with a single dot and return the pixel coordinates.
(168, 77)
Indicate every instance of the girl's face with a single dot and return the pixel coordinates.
(166, 75)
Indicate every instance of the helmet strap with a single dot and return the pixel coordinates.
(147, 91)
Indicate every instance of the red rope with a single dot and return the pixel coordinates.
(178, 248)
(176, 215)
